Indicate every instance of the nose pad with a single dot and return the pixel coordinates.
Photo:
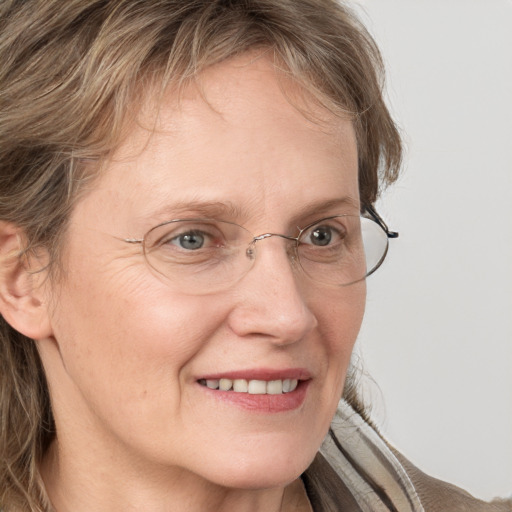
(251, 250)
(291, 249)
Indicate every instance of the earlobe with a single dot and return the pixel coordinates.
(22, 292)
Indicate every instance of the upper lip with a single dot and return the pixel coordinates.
(261, 374)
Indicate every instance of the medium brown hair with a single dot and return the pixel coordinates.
(70, 73)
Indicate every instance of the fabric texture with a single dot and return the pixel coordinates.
(357, 471)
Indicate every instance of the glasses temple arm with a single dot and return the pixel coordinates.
(377, 218)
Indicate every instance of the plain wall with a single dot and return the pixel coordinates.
(437, 337)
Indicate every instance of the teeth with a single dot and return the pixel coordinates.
(275, 387)
(240, 386)
(213, 384)
(257, 387)
(253, 387)
(225, 384)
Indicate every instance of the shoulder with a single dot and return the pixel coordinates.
(359, 471)
(436, 495)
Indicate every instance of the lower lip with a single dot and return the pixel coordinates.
(262, 403)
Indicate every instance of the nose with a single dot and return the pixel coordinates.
(270, 300)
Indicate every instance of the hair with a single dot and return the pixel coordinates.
(71, 73)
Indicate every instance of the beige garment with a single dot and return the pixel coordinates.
(438, 496)
(357, 471)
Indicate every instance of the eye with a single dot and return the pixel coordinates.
(191, 241)
(186, 237)
(324, 234)
(321, 236)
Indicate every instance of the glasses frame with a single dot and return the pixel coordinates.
(367, 211)
(378, 219)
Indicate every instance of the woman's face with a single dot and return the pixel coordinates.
(130, 350)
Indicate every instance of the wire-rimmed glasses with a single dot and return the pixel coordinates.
(204, 255)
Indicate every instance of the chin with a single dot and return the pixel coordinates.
(259, 478)
(261, 468)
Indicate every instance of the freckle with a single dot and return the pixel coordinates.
(144, 394)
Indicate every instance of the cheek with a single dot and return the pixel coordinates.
(339, 321)
(126, 343)
(340, 316)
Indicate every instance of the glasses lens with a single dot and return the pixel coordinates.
(376, 243)
(342, 250)
(198, 255)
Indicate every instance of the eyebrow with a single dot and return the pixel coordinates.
(200, 208)
(338, 205)
(227, 210)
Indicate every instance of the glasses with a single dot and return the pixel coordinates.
(202, 255)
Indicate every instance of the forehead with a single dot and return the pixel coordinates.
(242, 132)
(248, 92)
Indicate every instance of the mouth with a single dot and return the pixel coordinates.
(252, 387)
(259, 390)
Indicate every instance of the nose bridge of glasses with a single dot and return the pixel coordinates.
(251, 253)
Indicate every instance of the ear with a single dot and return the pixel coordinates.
(23, 291)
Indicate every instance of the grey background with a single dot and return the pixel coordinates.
(437, 337)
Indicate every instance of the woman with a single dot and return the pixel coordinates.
(187, 188)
